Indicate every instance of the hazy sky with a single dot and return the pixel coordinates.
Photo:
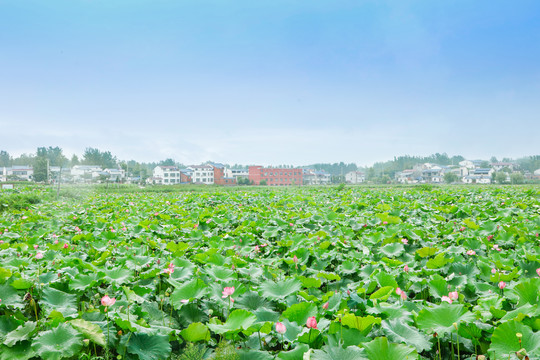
(271, 81)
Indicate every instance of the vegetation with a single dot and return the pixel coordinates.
(328, 273)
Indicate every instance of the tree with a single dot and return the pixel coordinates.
(167, 162)
(5, 159)
(53, 154)
(517, 178)
(262, 182)
(40, 170)
(104, 159)
(74, 160)
(500, 177)
(450, 177)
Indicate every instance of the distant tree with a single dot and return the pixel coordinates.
(493, 160)
(167, 162)
(263, 182)
(517, 178)
(53, 154)
(500, 177)
(24, 159)
(104, 159)
(484, 164)
(74, 160)
(450, 177)
(5, 159)
(40, 169)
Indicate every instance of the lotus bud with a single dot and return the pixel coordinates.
(481, 357)
(455, 325)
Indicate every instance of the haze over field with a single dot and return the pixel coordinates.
(271, 82)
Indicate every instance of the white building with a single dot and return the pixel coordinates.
(166, 175)
(237, 173)
(17, 172)
(355, 177)
(82, 173)
(202, 174)
(316, 177)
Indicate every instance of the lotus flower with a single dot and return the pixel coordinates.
(406, 268)
(401, 293)
(39, 256)
(502, 285)
(227, 291)
(325, 306)
(453, 295)
(538, 271)
(447, 299)
(280, 328)
(493, 271)
(471, 252)
(107, 301)
(311, 322)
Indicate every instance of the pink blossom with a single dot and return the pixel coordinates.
(538, 271)
(55, 242)
(405, 241)
(385, 223)
(208, 221)
(107, 301)
(490, 237)
(401, 293)
(170, 269)
(471, 252)
(453, 295)
(447, 299)
(195, 226)
(291, 224)
(311, 322)
(406, 268)
(493, 271)
(502, 285)
(66, 245)
(1, 241)
(325, 306)
(295, 259)
(280, 328)
(227, 291)
(39, 256)
(462, 229)
(256, 248)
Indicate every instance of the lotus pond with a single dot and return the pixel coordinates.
(299, 273)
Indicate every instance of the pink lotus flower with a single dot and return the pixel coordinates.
(538, 271)
(453, 295)
(291, 224)
(502, 285)
(280, 328)
(208, 221)
(295, 259)
(325, 306)
(35, 247)
(447, 299)
(311, 322)
(461, 229)
(107, 301)
(170, 269)
(496, 247)
(227, 291)
(39, 256)
(471, 252)
(195, 226)
(385, 222)
(493, 271)
(401, 293)
(405, 241)
(406, 268)
(55, 242)
(66, 245)
(490, 237)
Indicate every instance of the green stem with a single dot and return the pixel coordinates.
(452, 345)
(439, 342)
(457, 337)
(127, 342)
(260, 342)
(107, 312)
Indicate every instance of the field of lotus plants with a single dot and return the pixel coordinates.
(297, 273)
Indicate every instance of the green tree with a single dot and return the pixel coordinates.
(40, 170)
(74, 160)
(5, 159)
(500, 177)
(262, 182)
(517, 178)
(450, 177)
(104, 159)
(168, 162)
(53, 154)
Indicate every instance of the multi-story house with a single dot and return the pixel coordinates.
(355, 177)
(202, 174)
(221, 176)
(166, 175)
(316, 177)
(276, 176)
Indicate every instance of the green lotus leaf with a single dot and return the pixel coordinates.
(296, 354)
(59, 301)
(193, 289)
(196, 332)
(89, 330)
(441, 319)
(23, 332)
(504, 340)
(238, 320)
(20, 351)
(381, 349)
(300, 312)
(337, 353)
(58, 343)
(280, 290)
(149, 347)
(398, 331)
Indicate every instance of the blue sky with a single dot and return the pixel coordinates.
(271, 82)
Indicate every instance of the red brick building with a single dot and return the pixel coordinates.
(276, 176)
(219, 175)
